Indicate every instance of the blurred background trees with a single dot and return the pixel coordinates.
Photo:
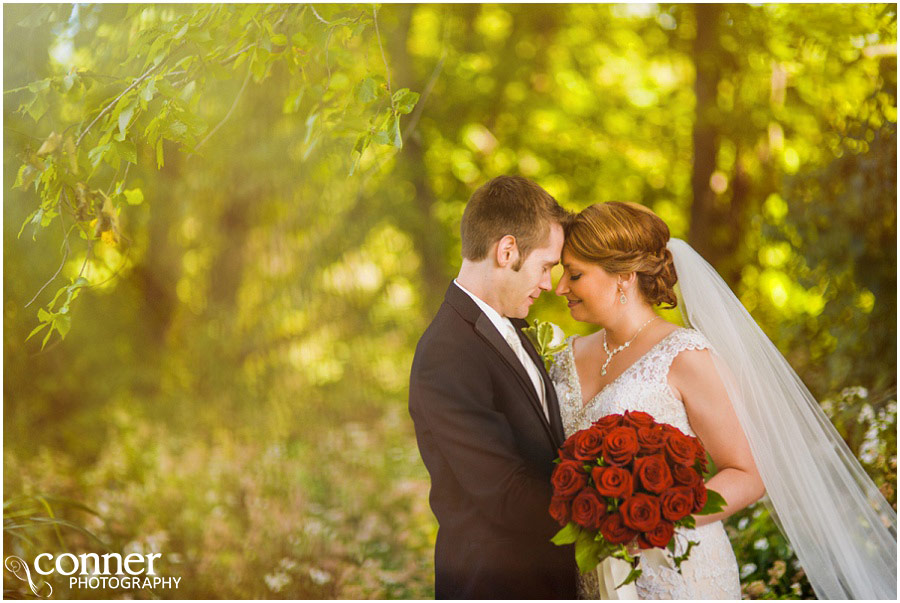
(258, 231)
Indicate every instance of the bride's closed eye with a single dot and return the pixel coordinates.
(574, 277)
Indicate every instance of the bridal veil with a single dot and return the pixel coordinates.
(843, 530)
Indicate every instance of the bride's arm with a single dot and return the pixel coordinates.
(693, 375)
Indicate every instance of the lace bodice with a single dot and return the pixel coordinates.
(711, 572)
(643, 386)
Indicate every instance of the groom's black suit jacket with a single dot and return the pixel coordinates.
(489, 450)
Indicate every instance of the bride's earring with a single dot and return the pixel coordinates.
(622, 299)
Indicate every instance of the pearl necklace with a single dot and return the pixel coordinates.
(609, 355)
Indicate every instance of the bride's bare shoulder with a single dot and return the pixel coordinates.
(582, 344)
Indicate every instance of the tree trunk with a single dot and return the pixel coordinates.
(705, 51)
(427, 233)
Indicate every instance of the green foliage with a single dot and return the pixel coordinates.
(167, 60)
(715, 502)
(257, 209)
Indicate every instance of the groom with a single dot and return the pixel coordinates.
(485, 412)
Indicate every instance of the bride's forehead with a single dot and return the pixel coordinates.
(569, 260)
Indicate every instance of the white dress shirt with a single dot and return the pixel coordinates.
(508, 331)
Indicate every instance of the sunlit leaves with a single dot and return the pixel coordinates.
(166, 60)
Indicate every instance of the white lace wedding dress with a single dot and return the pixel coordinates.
(712, 571)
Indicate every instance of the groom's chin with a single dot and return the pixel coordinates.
(517, 313)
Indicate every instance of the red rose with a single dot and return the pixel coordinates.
(653, 473)
(588, 509)
(669, 428)
(608, 422)
(567, 450)
(620, 445)
(636, 419)
(677, 503)
(588, 444)
(613, 481)
(651, 439)
(614, 529)
(699, 497)
(685, 476)
(702, 464)
(699, 452)
(568, 479)
(560, 510)
(641, 512)
(680, 449)
(658, 536)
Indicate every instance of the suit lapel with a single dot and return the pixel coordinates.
(470, 311)
(549, 391)
(487, 330)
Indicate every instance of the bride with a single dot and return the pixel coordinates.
(724, 382)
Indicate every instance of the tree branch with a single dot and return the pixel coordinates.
(65, 255)
(227, 115)
(383, 58)
(414, 118)
(108, 107)
(318, 16)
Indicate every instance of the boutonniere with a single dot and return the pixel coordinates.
(547, 338)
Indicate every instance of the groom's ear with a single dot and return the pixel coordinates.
(507, 251)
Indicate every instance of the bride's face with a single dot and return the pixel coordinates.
(591, 291)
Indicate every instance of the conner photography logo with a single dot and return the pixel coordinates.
(91, 571)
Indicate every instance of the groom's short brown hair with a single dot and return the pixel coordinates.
(509, 205)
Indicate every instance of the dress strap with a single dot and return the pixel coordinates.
(661, 357)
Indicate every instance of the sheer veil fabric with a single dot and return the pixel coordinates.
(842, 528)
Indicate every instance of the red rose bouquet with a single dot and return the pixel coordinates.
(628, 480)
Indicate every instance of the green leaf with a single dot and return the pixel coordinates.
(279, 40)
(37, 107)
(27, 174)
(167, 89)
(715, 502)
(149, 90)
(545, 335)
(396, 136)
(404, 101)
(134, 196)
(159, 153)
(367, 90)
(587, 552)
(37, 330)
(687, 553)
(63, 323)
(567, 535)
(292, 102)
(125, 118)
(181, 32)
(45, 316)
(127, 151)
(27, 221)
(47, 337)
(258, 68)
(633, 575)
(95, 155)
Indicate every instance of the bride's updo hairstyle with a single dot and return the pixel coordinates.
(626, 237)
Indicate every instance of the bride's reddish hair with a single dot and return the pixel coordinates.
(626, 237)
